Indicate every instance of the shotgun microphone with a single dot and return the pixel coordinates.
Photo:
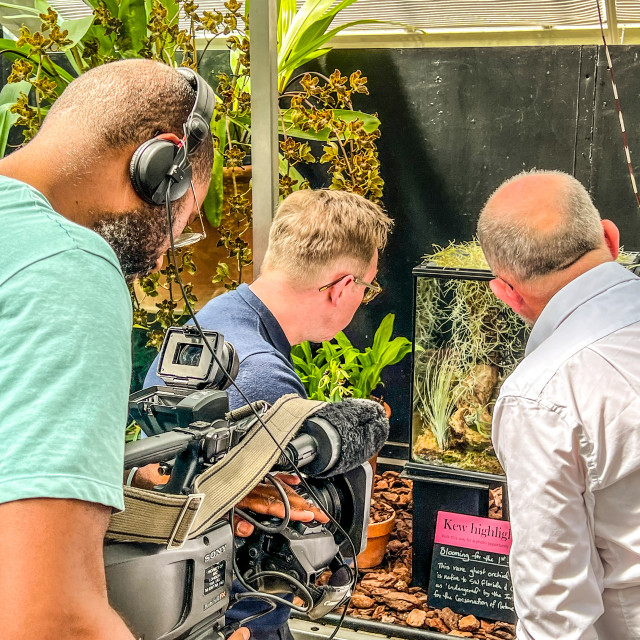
(337, 438)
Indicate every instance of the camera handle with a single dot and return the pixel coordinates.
(152, 516)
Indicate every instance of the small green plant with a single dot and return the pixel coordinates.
(338, 369)
(437, 393)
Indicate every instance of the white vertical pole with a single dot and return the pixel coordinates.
(264, 122)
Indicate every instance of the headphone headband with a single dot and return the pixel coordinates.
(159, 164)
(198, 124)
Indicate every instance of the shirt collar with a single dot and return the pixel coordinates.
(573, 295)
(274, 331)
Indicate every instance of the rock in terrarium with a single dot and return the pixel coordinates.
(466, 343)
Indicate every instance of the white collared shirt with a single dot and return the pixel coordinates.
(566, 430)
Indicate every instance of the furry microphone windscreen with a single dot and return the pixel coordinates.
(363, 428)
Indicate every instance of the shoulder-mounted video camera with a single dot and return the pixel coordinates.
(183, 593)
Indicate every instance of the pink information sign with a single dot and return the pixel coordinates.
(472, 532)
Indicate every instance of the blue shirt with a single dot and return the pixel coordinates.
(566, 430)
(266, 369)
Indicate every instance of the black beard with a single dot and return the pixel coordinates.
(134, 236)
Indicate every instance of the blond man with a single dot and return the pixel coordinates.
(320, 266)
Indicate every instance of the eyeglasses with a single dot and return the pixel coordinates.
(186, 239)
(373, 288)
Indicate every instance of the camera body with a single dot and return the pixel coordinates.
(172, 593)
(182, 594)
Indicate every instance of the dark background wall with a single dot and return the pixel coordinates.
(456, 123)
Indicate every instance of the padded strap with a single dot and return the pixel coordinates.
(159, 518)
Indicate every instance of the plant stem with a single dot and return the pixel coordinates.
(38, 90)
(77, 58)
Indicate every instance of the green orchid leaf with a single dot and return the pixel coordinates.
(11, 92)
(12, 52)
(173, 10)
(19, 16)
(398, 348)
(342, 340)
(31, 11)
(370, 123)
(8, 97)
(133, 14)
(96, 32)
(383, 335)
(393, 354)
(215, 195)
(301, 366)
(72, 61)
(6, 43)
(306, 348)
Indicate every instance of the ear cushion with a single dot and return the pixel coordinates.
(148, 170)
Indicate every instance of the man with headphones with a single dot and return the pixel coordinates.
(125, 153)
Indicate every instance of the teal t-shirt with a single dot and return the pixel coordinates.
(65, 355)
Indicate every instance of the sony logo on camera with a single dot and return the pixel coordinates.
(215, 553)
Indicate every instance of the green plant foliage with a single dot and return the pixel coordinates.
(338, 369)
(436, 392)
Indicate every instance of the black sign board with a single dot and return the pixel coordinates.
(470, 567)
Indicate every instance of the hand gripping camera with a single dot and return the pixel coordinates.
(183, 593)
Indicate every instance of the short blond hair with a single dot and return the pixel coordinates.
(313, 229)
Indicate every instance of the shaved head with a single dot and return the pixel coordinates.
(108, 112)
(538, 222)
(124, 103)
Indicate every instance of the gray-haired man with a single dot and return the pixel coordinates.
(567, 421)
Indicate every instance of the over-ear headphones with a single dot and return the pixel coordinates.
(161, 162)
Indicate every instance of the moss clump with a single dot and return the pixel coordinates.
(458, 255)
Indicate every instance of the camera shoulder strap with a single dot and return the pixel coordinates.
(159, 518)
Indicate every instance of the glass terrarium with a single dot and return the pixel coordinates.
(466, 342)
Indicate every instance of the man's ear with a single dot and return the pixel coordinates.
(337, 290)
(507, 294)
(611, 237)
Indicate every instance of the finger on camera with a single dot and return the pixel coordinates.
(242, 528)
(288, 478)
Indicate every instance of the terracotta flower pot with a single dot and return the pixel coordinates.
(377, 540)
